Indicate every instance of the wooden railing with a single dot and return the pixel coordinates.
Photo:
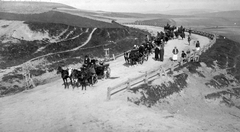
(148, 76)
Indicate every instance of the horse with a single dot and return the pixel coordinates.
(165, 38)
(83, 80)
(126, 57)
(135, 57)
(146, 50)
(90, 75)
(75, 75)
(176, 33)
(182, 35)
(64, 75)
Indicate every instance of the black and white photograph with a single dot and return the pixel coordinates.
(119, 66)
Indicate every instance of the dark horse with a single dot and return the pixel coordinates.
(79, 77)
(76, 74)
(64, 75)
(126, 57)
(89, 74)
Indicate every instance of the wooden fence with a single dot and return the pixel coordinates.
(161, 71)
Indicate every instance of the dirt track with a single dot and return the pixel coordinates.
(50, 107)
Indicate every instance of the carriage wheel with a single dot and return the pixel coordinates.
(108, 73)
(141, 60)
(95, 79)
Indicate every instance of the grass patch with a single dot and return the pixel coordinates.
(150, 95)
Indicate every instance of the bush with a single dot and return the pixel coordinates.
(11, 90)
(152, 94)
(37, 72)
(10, 78)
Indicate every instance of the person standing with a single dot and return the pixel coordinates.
(157, 53)
(175, 54)
(161, 52)
(197, 46)
(184, 55)
(147, 39)
(86, 61)
(190, 31)
(189, 39)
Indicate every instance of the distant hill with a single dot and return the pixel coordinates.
(187, 11)
(58, 17)
(224, 14)
(29, 7)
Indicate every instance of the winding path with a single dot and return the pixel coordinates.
(85, 43)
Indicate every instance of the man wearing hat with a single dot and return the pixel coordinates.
(135, 47)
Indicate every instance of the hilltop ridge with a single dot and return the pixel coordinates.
(30, 7)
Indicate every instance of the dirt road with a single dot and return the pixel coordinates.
(50, 107)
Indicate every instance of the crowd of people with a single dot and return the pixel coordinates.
(160, 43)
(157, 44)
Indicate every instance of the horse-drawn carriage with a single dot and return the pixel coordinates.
(137, 56)
(88, 74)
(103, 71)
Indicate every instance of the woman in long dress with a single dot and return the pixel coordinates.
(175, 54)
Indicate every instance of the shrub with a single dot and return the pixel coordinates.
(10, 78)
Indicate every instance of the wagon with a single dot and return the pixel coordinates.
(135, 57)
(103, 71)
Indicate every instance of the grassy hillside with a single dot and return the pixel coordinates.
(158, 22)
(71, 30)
(29, 7)
(58, 17)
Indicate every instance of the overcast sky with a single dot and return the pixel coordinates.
(150, 5)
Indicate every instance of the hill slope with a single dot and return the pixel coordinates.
(223, 14)
(58, 17)
(29, 7)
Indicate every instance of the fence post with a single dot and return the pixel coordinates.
(114, 57)
(146, 77)
(128, 84)
(108, 93)
(163, 72)
(159, 72)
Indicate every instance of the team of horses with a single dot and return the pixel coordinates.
(87, 75)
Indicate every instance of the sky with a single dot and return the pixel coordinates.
(149, 5)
